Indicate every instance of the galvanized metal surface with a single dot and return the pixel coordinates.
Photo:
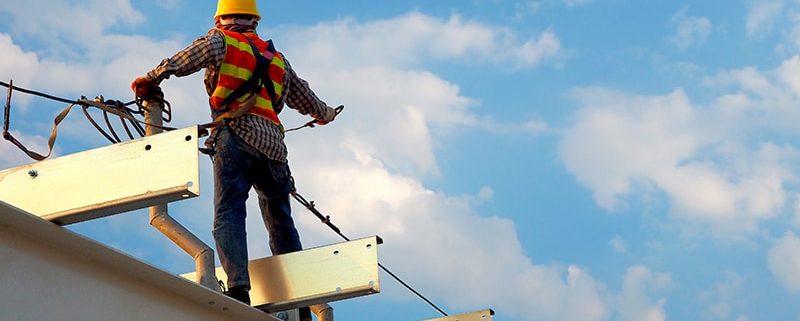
(51, 273)
(482, 315)
(318, 275)
(108, 180)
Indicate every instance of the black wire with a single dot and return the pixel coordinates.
(96, 126)
(125, 125)
(327, 221)
(411, 289)
(48, 96)
(110, 128)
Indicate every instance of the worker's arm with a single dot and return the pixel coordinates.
(203, 52)
(299, 96)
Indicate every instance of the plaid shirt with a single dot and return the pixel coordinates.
(208, 52)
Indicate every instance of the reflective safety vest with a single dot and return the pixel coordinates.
(238, 67)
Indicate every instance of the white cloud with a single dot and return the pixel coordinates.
(784, 261)
(796, 218)
(621, 146)
(634, 302)
(618, 244)
(722, 300)
(83, 20)
(787, 74)
(690, 30)
(415, 38)
(761, 16)
(401, 104)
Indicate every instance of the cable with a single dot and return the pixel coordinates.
(325, 219)
(48, 96)
(114, 107)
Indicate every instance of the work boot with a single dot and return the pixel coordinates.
(324, 312)
(239, 293)
(304, 314)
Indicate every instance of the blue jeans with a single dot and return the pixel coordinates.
(237, 168)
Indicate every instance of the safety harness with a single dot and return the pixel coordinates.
(228, 103)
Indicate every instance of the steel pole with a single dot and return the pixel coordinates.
(159, 216)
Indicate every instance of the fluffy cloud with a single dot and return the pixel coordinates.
(762, 15)
(618, 244)
(402, 103)
(84, 20)
(723, 299)
(701, 158)
(784, 262)
(415, 38)
(634, 302)
(690, 30)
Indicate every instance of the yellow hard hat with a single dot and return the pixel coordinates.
(226, 7)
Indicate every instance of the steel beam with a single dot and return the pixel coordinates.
(109, 180)
(318, 275)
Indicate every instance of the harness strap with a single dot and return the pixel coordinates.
(50, 142)
(259, 78)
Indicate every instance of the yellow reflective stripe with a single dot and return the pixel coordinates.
(222, 92)
(243, 46)
(278, 61)
(263, 103)
(235, 71)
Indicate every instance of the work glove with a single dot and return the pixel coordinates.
(143, 87)
(328, 115)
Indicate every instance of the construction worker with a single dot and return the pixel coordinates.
(247, 148)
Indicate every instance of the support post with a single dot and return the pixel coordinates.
(159, 216)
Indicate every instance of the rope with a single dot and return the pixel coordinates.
(326, 219)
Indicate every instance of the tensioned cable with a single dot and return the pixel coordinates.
(48, 96)
(326, 219)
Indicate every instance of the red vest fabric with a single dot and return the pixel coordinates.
(238, 67)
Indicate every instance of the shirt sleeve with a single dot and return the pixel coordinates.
(300, 97)
(208, 50)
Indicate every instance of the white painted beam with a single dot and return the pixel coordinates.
(482, 315)
(107, 180)
(323, 274)
(50, 273)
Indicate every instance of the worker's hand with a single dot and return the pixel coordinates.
(329, 115)
(142, 87)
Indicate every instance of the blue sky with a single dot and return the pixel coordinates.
(553, 160)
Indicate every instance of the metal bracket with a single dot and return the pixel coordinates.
(108, 180)
(323, 274)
